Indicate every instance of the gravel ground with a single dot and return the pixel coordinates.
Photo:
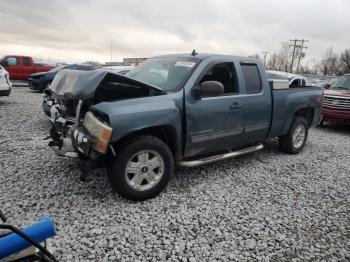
(266, 206)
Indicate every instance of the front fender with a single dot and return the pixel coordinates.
(129, 116)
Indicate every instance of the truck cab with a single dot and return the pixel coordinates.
(21, 67)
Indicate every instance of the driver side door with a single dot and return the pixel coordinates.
(215, 123)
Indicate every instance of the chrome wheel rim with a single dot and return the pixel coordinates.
(299, 136)
(144, 170)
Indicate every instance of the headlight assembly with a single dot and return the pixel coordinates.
(100, 132)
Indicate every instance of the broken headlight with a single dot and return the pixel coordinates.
(100, 132)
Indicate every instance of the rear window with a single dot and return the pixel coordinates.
(251, 78)
(26, 61)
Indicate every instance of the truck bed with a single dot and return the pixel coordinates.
(286, 102)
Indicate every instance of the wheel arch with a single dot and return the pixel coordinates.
(307, 113)
(166, 133)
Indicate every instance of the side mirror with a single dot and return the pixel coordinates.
(326, 86)
(208, 88)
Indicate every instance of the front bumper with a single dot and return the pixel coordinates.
(5, 92)
(336, 115)
(73, 143)
(36, 84)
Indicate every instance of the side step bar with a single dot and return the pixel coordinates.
(210, 159)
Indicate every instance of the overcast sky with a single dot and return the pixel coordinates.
(80, 30)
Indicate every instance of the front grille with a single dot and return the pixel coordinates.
(337, 102)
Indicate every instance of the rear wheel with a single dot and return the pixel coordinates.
(295, 140)
(142, 168)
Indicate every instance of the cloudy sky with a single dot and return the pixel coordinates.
(80, 30)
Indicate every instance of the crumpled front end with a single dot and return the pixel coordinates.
(62, 128)
(76, 131)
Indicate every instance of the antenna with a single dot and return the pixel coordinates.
(194, 53)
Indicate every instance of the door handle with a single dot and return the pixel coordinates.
(235, 106)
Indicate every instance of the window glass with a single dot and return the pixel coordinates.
(251, 78)
(26, 61)
(12, 61)
(295, 83)
(167, 73)
(224, 73)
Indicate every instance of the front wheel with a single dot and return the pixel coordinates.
(142, 168)
(295, 140)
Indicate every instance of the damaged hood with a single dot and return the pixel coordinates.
(82, 85)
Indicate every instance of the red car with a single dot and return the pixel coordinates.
(336, 102)
(21, 67)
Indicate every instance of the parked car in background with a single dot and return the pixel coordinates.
(336, 102)
(21, 67)
(294, 79)
(5, 83)
(183, 110)
(40, 81)
(122, 70)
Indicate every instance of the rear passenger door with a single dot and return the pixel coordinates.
(27, 67)
(257, 101)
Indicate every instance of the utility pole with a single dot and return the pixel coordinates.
(111, 51)
(265, 56)
(300, 47)
(301, 54)
(294, 45)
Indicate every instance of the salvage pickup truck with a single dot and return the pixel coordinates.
(21, 67)
(184, 110)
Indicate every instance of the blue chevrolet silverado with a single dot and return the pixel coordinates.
(174, 110)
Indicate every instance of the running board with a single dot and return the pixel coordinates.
(210, 159)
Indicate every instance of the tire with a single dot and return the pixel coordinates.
(292, 143)
(142, 168)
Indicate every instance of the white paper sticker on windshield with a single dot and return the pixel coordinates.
(184, 63)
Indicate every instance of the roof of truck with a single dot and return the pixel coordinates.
(203, 56)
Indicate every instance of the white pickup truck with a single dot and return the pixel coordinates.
(5, 84)
(293, 79)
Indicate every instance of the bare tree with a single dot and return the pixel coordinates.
(272, 63)
(344, 62)
(329, 65)
(280, 61)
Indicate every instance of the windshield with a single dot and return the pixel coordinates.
(57, 68)
(342, 83)
(167, 73)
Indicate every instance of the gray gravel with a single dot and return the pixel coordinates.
(266, 206)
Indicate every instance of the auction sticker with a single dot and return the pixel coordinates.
(184, 63)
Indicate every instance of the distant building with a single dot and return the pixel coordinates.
(131, 61)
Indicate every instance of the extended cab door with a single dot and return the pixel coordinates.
(27, 66)
(215, 123)
(257, 100)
